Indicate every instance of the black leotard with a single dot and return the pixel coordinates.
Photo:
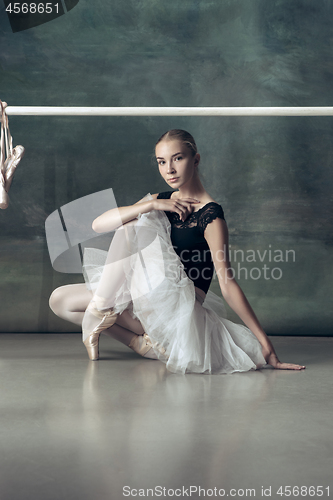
(189, 243)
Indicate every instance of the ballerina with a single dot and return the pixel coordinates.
(175, 319)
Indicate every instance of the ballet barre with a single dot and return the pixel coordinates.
(169, 111)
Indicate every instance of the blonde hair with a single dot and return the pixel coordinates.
(180, 135)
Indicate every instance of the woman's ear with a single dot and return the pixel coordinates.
(196, 159)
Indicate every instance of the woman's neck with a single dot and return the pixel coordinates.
(192, 189)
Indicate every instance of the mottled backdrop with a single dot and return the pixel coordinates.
(273, 176)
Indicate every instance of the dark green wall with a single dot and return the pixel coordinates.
(273, 176)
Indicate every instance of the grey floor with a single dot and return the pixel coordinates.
(76, 429)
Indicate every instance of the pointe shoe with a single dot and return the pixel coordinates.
(3, 192)
(11, 163)
(143, 345)
(108, 319)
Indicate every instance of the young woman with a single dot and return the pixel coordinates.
(152, 294)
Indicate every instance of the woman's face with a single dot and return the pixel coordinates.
(176, 163)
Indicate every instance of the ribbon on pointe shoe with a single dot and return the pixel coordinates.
(144, 348)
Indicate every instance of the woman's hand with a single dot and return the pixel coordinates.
(183, 206)
(272, 359)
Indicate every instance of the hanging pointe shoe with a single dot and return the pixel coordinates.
(143, 345)
(108, 318)
(11, 164)
(3, 193)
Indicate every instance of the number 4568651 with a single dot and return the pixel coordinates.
(302, 491)
(32, 8)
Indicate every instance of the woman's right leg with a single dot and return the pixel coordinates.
(75, 303)
(69, 302)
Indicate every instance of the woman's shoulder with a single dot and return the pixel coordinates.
(206, 202)
(208, 213)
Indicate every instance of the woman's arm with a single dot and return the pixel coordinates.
(216, 235)
(112, 219)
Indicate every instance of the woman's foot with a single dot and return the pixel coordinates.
(141, 344)
(108, 318)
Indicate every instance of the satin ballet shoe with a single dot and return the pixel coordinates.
(143, 345)
(160, 349)
(108, 318)
(3, 193)
(11, 164)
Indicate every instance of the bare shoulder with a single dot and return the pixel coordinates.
(204, 201)
(208, 199)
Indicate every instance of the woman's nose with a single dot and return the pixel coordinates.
(171, 167)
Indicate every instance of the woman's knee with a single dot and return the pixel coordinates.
(57, 299)
(70, 298)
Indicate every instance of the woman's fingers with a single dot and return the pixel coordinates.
(289, 366)
(183, 209)
(186, 206)
(186, 201)
(273, 360)
(189, 200)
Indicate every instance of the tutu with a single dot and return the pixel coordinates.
(142, 273)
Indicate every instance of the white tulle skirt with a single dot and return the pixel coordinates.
(142, 273)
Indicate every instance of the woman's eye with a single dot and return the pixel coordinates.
(179, 158)
(161, 162)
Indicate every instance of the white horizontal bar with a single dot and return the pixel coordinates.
(168, 111)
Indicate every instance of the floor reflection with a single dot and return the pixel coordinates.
(189, 417)
(74, 428)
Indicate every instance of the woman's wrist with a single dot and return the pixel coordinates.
(268, 346)
(152, 205)
(269, 353)
(146, 206)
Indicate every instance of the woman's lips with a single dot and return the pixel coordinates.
(173, 179)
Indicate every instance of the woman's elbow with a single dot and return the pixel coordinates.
(227, 287)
